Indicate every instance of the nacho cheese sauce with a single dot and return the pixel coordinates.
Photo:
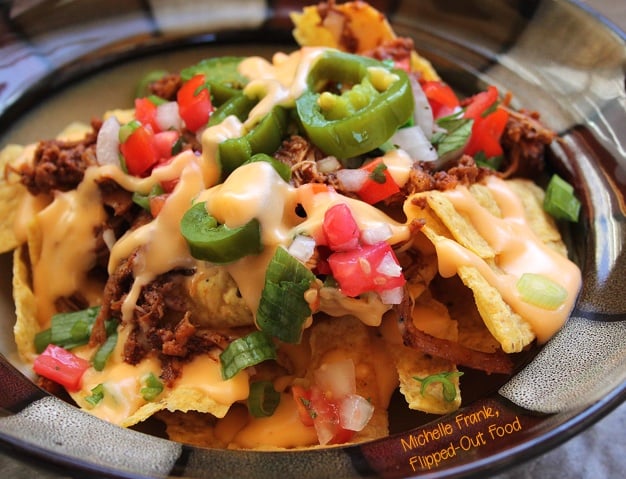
(256, 191)
(518, 251)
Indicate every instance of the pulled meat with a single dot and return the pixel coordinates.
(60, 165)
(166, 87)
(524, 141)
(302, 156)
(397, 49)
(492, 363)
(465, 172)
(161, 321)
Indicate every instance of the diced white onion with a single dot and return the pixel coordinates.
(376, 234)
(389, 267)
(422, 113)
(355, 412)
(352, 179)
(167, 116)
(336, 379)
(108, 236)
(392, 296)
(328, 164)
(414, 142)
(302, 248)
(108, 143)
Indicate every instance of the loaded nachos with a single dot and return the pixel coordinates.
(260, 252)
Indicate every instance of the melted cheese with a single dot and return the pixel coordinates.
(518, 251)
(66, 230)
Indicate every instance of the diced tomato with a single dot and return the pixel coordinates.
(478, 104)
(340, 228)
(139, 151)
(194, 103)
(146, 112)
(164, 142)
(379, 184)
(367, 268)
(441, 98)
(326, 419)
(156, 203)
(486, 134)
(488, 126)
(302, 397)
(61, 366)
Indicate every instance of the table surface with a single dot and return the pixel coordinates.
(596, 453)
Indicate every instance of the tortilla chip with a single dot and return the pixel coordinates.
(432, 317)
(542, 224)
(11, 194)
(217, 299)
(459, 226)
(347, 337)
(507, 327)
(364, 26)
(74, 131)
(191, 428)
(444, 222)
(26, 324)
(459, 299)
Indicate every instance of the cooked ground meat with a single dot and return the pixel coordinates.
(524, 142)
(398, 49)
(166, 87)
(302, 156)
(60, 165)
(162, 320)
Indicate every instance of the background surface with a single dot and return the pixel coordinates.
(599, 452)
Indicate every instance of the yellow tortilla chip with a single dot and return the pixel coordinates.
(11, 194)
(191, 428)
(354, 27)
(443, 223)
(459, 226)
(507, 327)
(346, 337)
(431, 317)
(26, 325)
(542, 224)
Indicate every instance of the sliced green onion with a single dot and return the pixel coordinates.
(560, 200)
(68, 330)
(263, 399)
(100, 358)
(97, 395)
(153, 387)
(42, 339)
(127, 130)
(445, 378)
(246, 351)
(144, 200)
(283, 309)
(541, 291)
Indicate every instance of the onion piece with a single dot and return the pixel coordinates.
(167, 116)
(352, 179)
(392, 296)
(328, 164)
(108, 142)
(375, 234)
(414, 142)
(355, 412)
(422, 112)
(389, 267)
(302, 248)
(337, 379)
